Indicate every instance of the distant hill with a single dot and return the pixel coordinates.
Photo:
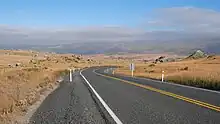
(133, 47)
(213, 48)
(197, 54)
(181, 48)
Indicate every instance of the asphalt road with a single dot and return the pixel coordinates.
(71, 103)
(75, 102)
(137, 105)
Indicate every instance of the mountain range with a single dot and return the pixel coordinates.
(181, 48)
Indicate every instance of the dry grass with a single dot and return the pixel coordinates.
(200, 73)
(22, 84)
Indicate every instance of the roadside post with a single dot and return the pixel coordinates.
(162, 77)
(70, 75)
(132, 69)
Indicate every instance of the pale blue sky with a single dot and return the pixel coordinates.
(71, 21)
(88, 12)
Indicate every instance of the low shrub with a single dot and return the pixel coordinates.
(149, 71)
(151, 65)
(184, 69)
(64, 72)
(34, 69)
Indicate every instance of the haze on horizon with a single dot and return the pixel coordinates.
(81, 21)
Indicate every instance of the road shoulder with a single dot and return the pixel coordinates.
(70, 103)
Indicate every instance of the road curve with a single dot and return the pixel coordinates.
(139, 105)
(95, 97)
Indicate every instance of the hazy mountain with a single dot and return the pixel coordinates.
(179, 30)
(112, 40)
(213, 48)
(178, 47)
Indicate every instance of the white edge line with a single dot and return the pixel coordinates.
(196, 88)
(111, 113)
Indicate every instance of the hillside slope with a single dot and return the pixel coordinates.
(24, 75)
(203, 72)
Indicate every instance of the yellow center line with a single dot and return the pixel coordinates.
(193, 101)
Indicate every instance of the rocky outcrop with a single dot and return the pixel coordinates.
(197, 55)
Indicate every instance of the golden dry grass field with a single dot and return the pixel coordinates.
(25, 74)
(203, 72)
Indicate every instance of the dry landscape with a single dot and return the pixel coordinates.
(24, 75)
(204, 72)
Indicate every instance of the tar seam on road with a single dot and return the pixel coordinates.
(193, 101)
(111, 113)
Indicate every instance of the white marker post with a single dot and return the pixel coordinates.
(132, 73)
(162, 76)
(71, 75)
(132, 69)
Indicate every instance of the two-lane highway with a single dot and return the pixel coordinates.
(99, 98)
(71, 103)
(142, 101)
